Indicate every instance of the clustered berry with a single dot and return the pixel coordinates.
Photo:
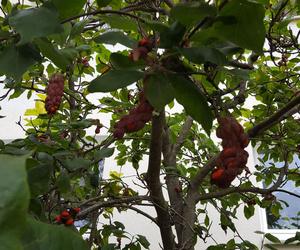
(67, 217)
(144, 47)
(233, 158)
(55, 90)
(136, 119)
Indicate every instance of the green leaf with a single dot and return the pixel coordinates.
(120, 61)
(76, 163)
(159, 91)
(120, 22)
(230, 244)
(114, 37)
(270, 247)
(103, 153)
(78, 27)
(52, 53)
(14, 61)
(206, 221)
(144, 242)
(14, 150)
(259, 232)
(35, 22)
(14, 193)
(248, 211)
(69, 53)
(63, 182)
(193, 101)
(41, 236)
(241, 22)
(201, 55)
(219, 247)
(68, 8)
(290, 240)
(272, 238)
(113, 80)
(38, 179)
(171, 36)
(3, 3)
(103, 3)
(190, 13)
(110, 246)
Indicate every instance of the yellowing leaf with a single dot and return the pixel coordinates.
(40, 107)
(115, 175)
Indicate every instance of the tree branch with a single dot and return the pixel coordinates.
(154, 185)
(202, 173)
(288, 192)
(112, 203)
(139, 211)
(96, 12)
(183, 134)
(239, 98)
(273, 119)
(240, 65)
(173, 184)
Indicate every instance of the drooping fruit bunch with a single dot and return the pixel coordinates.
(55, 90)
(136, 119)
(145, 45)
(233, 158)
(67, 217)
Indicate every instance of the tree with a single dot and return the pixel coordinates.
(210, 57)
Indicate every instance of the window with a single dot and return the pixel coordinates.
(288, 223)
(290, 213)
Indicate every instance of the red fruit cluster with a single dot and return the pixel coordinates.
(144, 47)
(67, 217)
(233, 158)
(85, 62)
(135, 120)
(55, 92)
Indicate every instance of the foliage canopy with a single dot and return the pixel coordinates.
(212, 58)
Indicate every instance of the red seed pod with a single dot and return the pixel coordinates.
(55, 90)
(147, 43)
(69, 222)
(138, 53)
(244, 140)
(85, 62)
(144, 42)
(135, 120)
(58, 218)
(76, 209)
(119, 133)
(234, 164)
(233, 157)
(97, 130)
(65, 214)
(217, 174)
(228, 152)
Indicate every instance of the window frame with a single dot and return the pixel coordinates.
(281, 234)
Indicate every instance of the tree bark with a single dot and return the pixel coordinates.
(154, 184)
